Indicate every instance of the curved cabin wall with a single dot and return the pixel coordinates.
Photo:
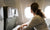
(10, 3)
(13, 4)
(2, 3)
(24, 4)
(21, 5)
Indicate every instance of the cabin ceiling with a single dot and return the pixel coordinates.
(16, 3)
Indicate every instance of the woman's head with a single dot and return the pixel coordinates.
(34, 7)
(35, 10)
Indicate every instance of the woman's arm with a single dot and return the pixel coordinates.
(35, 21)
(21, 27)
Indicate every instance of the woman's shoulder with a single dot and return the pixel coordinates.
(37, 16)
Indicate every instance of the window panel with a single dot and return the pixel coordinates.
(28, 12)
(47, 12)
(12, 12)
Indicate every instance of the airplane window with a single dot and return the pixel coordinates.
(28, 13)
(9, 12)
(16, 12)
(47, 12)
(1, 12)
(12, 12)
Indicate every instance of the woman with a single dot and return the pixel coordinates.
(38, 21)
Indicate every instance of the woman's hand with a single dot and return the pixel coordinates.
(21, 27)
(24, 25)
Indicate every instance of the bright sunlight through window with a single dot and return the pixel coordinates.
(28, 12)
(47, 12)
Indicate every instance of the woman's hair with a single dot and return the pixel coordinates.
(36, 10)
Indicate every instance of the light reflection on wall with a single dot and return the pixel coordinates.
(28, 13)
(47, 12)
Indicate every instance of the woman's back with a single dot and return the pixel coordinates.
(37, 22)
(40, 23)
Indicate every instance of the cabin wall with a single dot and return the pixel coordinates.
(21, 5)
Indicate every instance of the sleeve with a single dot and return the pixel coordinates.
(35, 21)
